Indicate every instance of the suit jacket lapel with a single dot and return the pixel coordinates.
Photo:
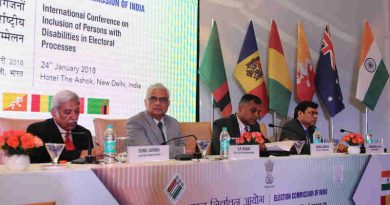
(54, 133)
(154, 128)
(235, 128)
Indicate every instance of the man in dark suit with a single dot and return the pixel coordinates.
(245, 120)
(301, 128)
(62, 128)
(153, 126)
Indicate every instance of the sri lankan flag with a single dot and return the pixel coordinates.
(279, 82)
(212, 72)
(98, 106)
(373, 73)
(385, 187)
(41, 103)
(248, 71)
(14, 102)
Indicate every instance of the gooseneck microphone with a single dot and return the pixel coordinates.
(89, 159)
(342, 131)
(176, 138)
(185, 157)
(284, 128)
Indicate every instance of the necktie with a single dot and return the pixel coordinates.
(160, 126)
(307, 136)
(68, 142)
(247, 129)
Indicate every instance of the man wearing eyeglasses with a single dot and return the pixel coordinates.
(303, 125)
(153, 126)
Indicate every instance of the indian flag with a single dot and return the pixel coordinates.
(385, 187)
(279, 82)
(373, 73)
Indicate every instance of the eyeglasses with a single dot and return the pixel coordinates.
(154, 99)
(312, 113)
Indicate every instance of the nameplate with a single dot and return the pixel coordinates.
(374, 148)
(321, 149)
(147, 153)
(243, 151)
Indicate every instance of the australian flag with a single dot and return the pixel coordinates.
(327, 79)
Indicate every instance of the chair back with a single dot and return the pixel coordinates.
(100, 124)
(201, 130)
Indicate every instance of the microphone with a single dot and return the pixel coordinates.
(184, 157)
(284, 128)
(342, 131)
(176, 138)
(89, 159)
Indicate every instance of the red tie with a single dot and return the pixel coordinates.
(68, 142)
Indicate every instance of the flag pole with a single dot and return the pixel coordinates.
(275, 131)
(366, 120)
(331, 129)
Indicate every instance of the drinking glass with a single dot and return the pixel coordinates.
(298, 146)
(54, 150)
(203, 145)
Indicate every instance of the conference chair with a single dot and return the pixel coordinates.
(119, 126)
(14, 124)
(202, 130)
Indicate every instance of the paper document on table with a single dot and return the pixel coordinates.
(280, 146)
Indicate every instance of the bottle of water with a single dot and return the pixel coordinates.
(224, 139)
(109, 145)
(317, 138)
(369, 137)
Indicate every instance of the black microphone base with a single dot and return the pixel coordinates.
(87, 160)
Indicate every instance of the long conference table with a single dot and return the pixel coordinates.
(335, 179)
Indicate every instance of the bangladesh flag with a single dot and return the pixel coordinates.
(373, 73)
(212, 72)
(98, 106)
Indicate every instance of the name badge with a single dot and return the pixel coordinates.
(147, 153)
(321, 149)
(374, 148)
(243, 151)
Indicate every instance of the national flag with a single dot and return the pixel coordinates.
(212, 72)
(41, 103)
(279, 82)
(385, 187)
(327, 79)
(373, 73)
(248, 71)
(98, 106)
(305, 74)
(82, 104)
(15, 102)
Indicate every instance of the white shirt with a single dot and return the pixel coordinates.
(241, 125)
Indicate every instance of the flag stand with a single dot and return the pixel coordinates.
(366, 120)
(275, 131)
(331, 129)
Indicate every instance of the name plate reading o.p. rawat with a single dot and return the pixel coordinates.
(151, 153)
(243, 151)
(374, 148)
(321, 149)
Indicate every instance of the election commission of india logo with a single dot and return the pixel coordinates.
(175, 188)
(253, 69)
(269, 167)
